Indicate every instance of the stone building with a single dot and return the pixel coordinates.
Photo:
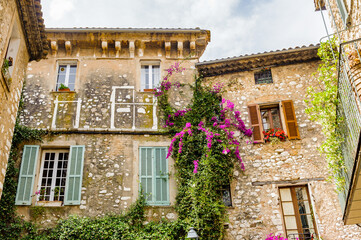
(22, 38)
(109, 132)
(345, 16)
(284, 187)
(106, 120)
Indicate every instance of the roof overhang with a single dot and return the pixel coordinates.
(31, 18)
(255, 61)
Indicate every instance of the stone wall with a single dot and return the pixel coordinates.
(92, 115)
(256, 210)
(9, 92)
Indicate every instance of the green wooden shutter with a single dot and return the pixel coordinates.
(74, 175)
(27, 175)
(146, 173)
(153, 174)
(161, 177)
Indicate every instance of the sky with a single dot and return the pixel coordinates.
(238, 27)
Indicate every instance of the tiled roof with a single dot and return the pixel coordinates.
(105, 29)
(259, 60)
(32, 22)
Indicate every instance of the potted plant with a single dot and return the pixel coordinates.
(5, 70)
(274, 135)
(63, 88)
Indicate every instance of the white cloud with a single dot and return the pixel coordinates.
(59, 8)
(237, 27)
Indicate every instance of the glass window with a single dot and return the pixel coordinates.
(66, 76)
(150, 77)
(264, 76)
(154, 175)
(271, 118)
(53, 175)
(297, 213)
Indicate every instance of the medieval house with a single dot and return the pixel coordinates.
(94, 91)
(22, 38)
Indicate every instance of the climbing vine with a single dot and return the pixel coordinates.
(205, 149)
(12, 226)
(322, 102)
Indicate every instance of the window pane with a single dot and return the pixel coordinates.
(265, 120)
(285, 194)
(145, 77)
(72, 69)
(156, 76)
(290, 222)
(304, 207)
(288, 208)
(276, 118)
(301, 193)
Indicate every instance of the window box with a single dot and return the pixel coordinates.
(64, 90)
(50, 203)
(148, 90)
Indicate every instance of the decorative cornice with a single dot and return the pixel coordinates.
(256, 61)
(128, 43)
(31, 18)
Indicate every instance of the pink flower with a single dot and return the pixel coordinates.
(195, 162)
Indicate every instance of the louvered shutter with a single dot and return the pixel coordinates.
(256, 123)
(146, 173)
(290, 119)
(27, 175)
(161, 177)
(343, 11)
(74, 176)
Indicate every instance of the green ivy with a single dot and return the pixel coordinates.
(321, 107)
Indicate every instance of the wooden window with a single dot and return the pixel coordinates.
(60, 175)
(154, 178)
(150, 77)
(66, 75)
(274, 115)
(297, 213)
(271, 118)
(263, 76)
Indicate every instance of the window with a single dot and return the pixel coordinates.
(343, 12)
(297, 213)
(263, 76)
(271, 118)
(275, 115)
(60, 175)
(154, 178)
(11, 55)
(150, 77)
(226, 195)
(53, 175)
(66, 75)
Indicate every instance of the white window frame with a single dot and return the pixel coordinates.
(67, 73)
(56, 151)
(152, 82)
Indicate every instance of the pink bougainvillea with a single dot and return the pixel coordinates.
(274, 237)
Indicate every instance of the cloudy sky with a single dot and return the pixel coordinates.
(237, 27)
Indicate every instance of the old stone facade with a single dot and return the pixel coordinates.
(109, 114)
(107, 124)
(272, 168)
(21, 40)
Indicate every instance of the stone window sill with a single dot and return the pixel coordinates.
(49, 203)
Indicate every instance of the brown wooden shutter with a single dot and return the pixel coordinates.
(255, 119)
(290, 120)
